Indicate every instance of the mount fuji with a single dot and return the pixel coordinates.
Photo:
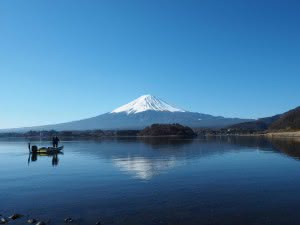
(138, 114)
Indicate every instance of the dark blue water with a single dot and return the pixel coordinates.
(154, 181)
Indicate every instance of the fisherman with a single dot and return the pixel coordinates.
(53, 141)
(56, 140)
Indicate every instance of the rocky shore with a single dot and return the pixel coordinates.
(30, 220)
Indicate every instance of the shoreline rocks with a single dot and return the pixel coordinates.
(68, 220)
(3, 220)
(31, 221)
(40, 223)
(10, 219)
(15, 216)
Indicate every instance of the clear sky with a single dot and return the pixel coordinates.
(67, 60)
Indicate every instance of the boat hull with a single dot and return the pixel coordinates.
(49, 150)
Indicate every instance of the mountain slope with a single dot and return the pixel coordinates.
(287, 121)
(139, 114)
(261, 124)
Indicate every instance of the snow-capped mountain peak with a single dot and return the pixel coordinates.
(145, 103)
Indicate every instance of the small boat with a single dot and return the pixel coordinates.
(47, 150)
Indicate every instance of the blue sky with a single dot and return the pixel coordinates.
(67, 60)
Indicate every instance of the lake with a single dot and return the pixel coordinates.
(215, 180)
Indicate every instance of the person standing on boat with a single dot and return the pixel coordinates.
(53, 141)
(56, 141)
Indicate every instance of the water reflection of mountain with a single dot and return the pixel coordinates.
(287, 146)
(290, 147)
(156, 147)
(144, 168)
(147, 157)
(160, 142)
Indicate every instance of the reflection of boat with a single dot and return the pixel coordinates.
(33, 156)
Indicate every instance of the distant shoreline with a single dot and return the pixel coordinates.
(158, 130)
(283, 134)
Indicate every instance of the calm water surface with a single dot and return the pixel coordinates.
(154, 181)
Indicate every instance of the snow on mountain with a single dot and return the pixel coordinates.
(145, 103)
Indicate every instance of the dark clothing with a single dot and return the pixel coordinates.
(55, 142)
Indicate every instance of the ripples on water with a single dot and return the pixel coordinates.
(225, 180)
